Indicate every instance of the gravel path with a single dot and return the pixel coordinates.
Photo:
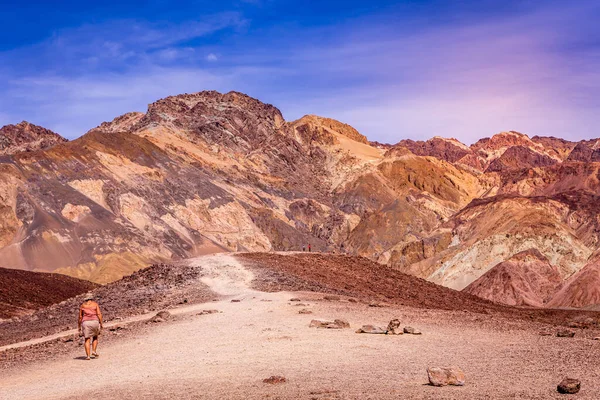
(228, 354)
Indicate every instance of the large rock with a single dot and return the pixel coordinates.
(412, 331)
(569, 386)
(393, 327)
(371, 329)
(335, 324)
(443, 376)
(565, 333)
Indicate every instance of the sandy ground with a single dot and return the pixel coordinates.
(227, 355)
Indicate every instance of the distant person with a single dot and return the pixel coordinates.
(309, 249)
(90, 324)
(303, 248)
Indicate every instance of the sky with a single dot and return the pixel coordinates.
(392, 69)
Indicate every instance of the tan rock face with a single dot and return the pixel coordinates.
(444, 376)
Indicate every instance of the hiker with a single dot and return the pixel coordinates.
(309, 249)
(90, 324)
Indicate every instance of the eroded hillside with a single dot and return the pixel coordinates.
(208, 172)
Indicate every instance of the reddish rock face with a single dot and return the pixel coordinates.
(519, 157)
(525, 279)
(26, 137)
(582, 289)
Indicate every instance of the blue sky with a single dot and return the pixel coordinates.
(393, 69)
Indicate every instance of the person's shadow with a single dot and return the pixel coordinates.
(80, 358)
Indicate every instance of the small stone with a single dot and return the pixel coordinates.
(565, 333)
(372, 329)
(163, 314)
(331, 297)
(305, 311)
(375, 304)
(158, 319)
(206, 312)
(443, 376)
(295, 299)
(275, 380)
(393, 327)
(569, 386)
(235, 300)
(301, 305)
(412, 331)
(351, 300)
(596, 338)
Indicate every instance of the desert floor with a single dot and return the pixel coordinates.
(228, 354)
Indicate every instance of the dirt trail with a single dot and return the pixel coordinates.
(227, 355)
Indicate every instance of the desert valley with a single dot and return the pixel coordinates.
(228, 246)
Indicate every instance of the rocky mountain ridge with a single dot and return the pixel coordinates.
(205, 172)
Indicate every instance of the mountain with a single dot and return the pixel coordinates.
(207, 172)
(23, 292)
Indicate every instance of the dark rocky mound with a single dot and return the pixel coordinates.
(22, 292)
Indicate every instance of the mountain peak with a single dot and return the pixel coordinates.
(26, 136)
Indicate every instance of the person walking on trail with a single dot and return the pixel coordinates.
(90, 325)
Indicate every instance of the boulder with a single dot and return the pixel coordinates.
(336, 324)
(412, 331)
(443, 376)
(393, 327)
(569, 386)
(331, 297)
(565, 333)
(372, 329)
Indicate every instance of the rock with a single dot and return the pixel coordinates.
(206, 312)
(164, 314)
(596, 338)
(158, 319)
(301, 305)
(372, 329)
(351, 300)
(375, 304)
(274, 380)
(295, 299)
(68, 339)
(565, 333)
(443, 376)
(331, 297)
(569, 386)
(116, 328)
(393, 327)
(235, 300)
(336, 324)
(412, 331)
(305, 311)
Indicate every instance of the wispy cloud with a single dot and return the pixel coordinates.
(391, 74)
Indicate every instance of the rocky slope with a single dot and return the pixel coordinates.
(206, 172)
(23, 292)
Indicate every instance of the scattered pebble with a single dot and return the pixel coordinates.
(569, 386)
